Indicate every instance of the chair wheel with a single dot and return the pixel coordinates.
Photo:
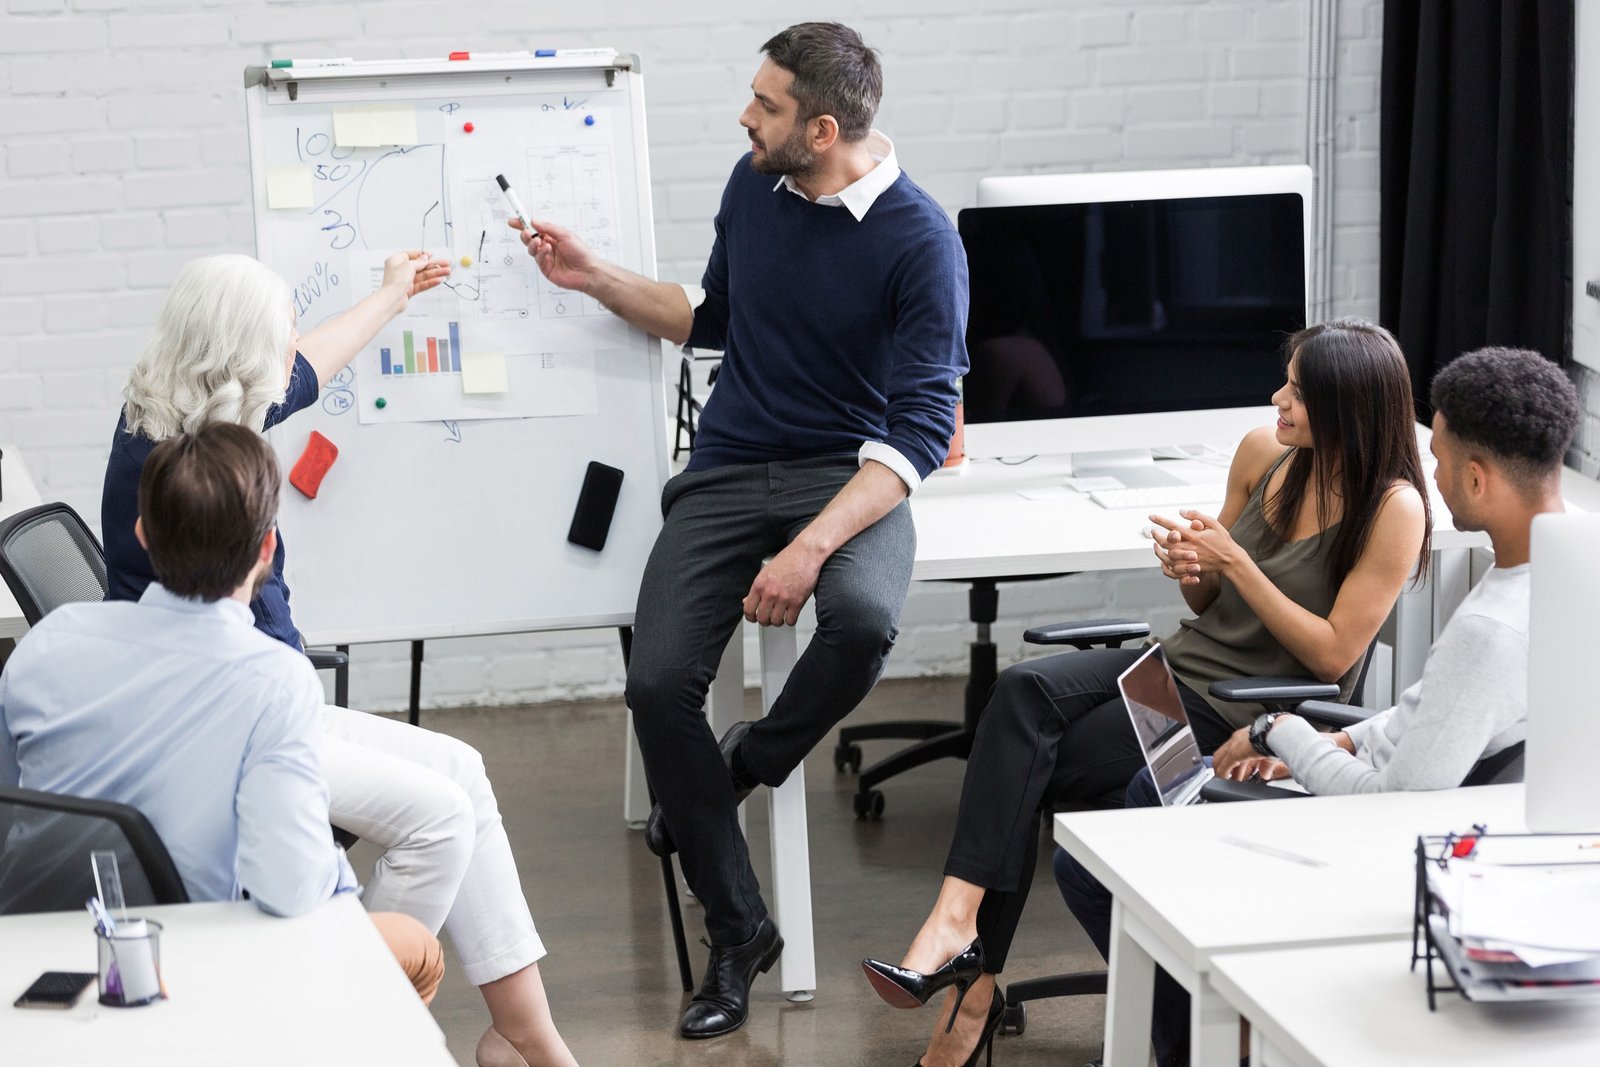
(869, 804)
(1014, 1019)
(847, 758)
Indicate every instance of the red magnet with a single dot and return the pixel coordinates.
(467, 127)
(313, 464)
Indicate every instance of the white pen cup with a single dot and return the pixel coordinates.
(130, 964)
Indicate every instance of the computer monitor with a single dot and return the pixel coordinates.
(1563, 713)
(1117, 311)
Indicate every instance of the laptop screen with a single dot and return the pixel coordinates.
(1159, 722)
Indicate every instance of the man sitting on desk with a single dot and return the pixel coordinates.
(179, 707)
(837, 291)
(1502, 421)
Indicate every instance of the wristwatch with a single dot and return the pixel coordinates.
(1259, 728)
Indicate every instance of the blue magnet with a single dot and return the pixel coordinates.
(588, 120)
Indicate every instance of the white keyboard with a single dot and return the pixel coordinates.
(1160, 496)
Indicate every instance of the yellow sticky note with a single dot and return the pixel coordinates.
(394, 124)
(484, 372)
(353, 127)
(289, 187)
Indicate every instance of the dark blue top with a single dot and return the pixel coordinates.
(834, 331)
(128, 568)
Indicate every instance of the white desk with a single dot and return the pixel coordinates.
(1360, 1006)
(19, 494)
(245, 988)
(1183, 895)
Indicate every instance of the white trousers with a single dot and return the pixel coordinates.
(425, 800)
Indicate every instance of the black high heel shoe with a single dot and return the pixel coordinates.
(903, 988)
(991, 1026)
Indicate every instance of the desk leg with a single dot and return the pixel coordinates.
(1421, 613)
(1213, 1028)
(1130, 988)
(791, 857)
(1452, 581)
(1413, 633)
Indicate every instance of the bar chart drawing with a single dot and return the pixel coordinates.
(429, 355)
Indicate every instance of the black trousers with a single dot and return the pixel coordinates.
(720, 525)
(1055, 730)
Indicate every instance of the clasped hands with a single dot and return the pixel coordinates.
(1197, 546)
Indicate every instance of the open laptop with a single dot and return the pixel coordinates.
(1162, 727)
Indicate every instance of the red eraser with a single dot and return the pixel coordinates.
(313, 464)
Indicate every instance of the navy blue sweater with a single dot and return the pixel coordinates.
(834, 331)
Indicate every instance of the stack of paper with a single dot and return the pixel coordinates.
(1519, 917)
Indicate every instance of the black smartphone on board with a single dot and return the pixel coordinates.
(55, 989)
(597, 502)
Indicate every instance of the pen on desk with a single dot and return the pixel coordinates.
(342, 62)
(1268, 850)
(516, 205)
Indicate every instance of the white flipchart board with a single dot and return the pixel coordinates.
(446, 512)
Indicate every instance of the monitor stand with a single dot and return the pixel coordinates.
(1133, 467)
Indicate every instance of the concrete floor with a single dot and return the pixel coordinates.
(597, 897)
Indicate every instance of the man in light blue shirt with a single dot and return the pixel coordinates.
(180, 707)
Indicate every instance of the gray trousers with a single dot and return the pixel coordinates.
(720, 526)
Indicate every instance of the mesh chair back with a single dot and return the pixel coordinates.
(45, 842)
(49, 557)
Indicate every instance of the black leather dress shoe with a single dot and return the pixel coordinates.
(657, 838)
(723, 1003)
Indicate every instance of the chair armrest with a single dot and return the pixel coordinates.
(325, 659)
(1226, 791)
(1086, 633)
(1266, 690)
(1327, 713)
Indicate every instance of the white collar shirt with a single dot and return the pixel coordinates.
(859, 196)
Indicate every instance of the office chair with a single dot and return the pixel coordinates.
(50, 557)
(1275, 694)
(688, 407)
(935, 739)
(45, 842)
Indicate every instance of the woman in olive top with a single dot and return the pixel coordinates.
(1325, 518)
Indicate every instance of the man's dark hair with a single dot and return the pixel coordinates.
(1513, 404)
(835, 73)
(206, 500)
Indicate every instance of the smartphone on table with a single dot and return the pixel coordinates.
(56, 989)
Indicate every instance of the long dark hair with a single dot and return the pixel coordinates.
(1357, 394)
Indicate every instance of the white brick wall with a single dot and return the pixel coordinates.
(124, 155)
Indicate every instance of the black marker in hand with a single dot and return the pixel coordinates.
(516, 205)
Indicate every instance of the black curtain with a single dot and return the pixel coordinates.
(1476, 186)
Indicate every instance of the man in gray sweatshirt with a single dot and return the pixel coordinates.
(1502, 421)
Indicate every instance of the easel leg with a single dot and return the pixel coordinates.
(341, 680)
(416, 683)
(669, 879)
